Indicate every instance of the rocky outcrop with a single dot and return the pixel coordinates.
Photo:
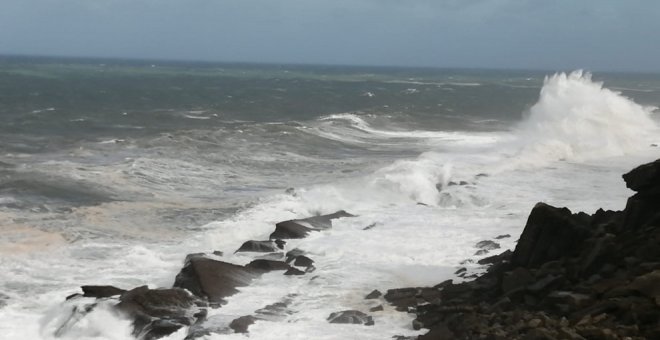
(293, 229)
(159, 312)
(204, 281)
(571, 276)
(351, 316)
(212, 279)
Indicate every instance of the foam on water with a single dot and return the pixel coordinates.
(577, 119)
(471, 186)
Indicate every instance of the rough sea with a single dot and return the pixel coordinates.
(112, 171)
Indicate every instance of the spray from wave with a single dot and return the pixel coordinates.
(578, 119)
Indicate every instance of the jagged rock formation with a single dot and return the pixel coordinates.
(571, 276)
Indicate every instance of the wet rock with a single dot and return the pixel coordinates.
(375, 294)
(496, 259)
(262, 265)
(240, 325)
(644, 178)
(648, 285)
(293, 229)
(212, 279)
(294, 271)
(258, 246)
(101, 291)
(158, 312)
(516, 279)
(352, 317)
(549, 234)
(487, 245)
(378, 308)
(303, 261)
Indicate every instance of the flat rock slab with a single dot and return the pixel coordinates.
(258, 247)
(351, 317)
(212, 279)
(101, 291)
(159, 312)
(294, 229)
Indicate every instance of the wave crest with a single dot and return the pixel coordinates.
(577, 118)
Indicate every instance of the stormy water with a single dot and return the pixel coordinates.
(112, 171)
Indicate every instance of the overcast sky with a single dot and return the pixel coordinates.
(532, 34)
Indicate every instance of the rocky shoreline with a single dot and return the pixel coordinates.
(571, 276)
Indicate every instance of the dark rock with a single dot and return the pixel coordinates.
(294, 271)
(378, 308)
(375, 294)
(262, 265)
(460, 271)
(502, 236)
(516, 279)
(280, 243)
(290, 230)
(439, 331)
(487, 245)
(293, 229)
(258, 246)
(644, 178)
(549, 234)
(648, 285)
(303, 261)
(158, 312)
(495, 259)
(240, 325)
(212, 279)
(292, 254)
(101, 291)
(351, 316)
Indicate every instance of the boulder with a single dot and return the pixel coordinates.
(101, 291)
(550, 233)
(293, 229)
(158, 312)
(240, 325)
(644, 178)
(258, 247)
(212, 279)
(262, 265)
(351, 316)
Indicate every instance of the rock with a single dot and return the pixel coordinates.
(240, 325)
(375, 294)
(158, 312)
(294, 271)
(101, 291)
(378, 308)
(262, 265)
(258, 246)
(351, 316)
(303, 261)
(644, 178)
(516, 279)
(648, 285)
(439, 331)
(293, 229)
(212, 279)
(549, 234)
(502, 236)
(496, 259)
(487, 245)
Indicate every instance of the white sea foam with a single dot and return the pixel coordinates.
(577, 119)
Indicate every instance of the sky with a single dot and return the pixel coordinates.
(607, 35)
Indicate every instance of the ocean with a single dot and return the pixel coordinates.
(111, 171)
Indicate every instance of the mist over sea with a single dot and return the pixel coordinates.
(112, 171)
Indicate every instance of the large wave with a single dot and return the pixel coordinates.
(578, 119)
